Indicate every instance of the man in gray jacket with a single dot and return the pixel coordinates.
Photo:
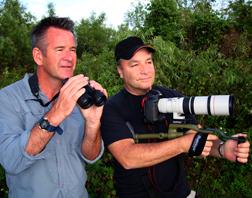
(45, 137)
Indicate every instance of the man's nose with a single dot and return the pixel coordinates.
(69, 56)
(144, 69)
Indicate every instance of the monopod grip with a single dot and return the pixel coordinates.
(241, 140)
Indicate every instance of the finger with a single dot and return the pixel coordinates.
(242, 160)
(207, 149)
(209, 144)
(212, 137)
(242, 155)
(240, 134)
(104, 91)
(242, 150)
(95, 85)
(74, 84)
(78, 94)
(206, 152)
(69, 80)
(244, 145)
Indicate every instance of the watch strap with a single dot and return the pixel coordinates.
(51, 128)
(219, 149)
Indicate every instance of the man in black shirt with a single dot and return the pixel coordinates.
(158, 161)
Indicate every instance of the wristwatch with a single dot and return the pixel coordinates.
(44, 124)
(219, 149)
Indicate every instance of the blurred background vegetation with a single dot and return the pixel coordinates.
(199, 51)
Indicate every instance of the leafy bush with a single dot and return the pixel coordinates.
(100, 182)
(15, 50)
(166, 18)
(3, 188)
(93, 35)
(206, 30)
(240, 12)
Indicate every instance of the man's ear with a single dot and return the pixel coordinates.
(37, 56)
(119, 69)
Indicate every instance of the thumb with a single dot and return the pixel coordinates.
(212, 137)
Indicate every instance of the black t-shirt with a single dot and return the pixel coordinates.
(169, 175)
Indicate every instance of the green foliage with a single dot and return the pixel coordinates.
(15, 27)
(135, 18)
(221, 176)
(10, 77)
(93, 35)
(165, 62)
(3, 188)
(166, 19)
(206, 30)
(51, 9)
(100, 182)
(193, 24)
(241, 14)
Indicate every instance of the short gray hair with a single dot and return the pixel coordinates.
(38, 33)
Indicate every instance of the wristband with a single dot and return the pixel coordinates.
(198, 144)
(220, 148)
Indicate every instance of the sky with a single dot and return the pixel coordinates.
(78, 9)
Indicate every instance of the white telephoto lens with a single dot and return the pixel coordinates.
(198, 105)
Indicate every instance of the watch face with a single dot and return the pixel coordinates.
(44, 124)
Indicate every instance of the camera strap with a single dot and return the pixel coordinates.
(33, 82)
(144, 172)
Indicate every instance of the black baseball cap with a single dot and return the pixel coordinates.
(127, 48)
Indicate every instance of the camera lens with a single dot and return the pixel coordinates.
(198, 105)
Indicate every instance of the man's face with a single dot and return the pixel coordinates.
(60, 59)
(138, 73)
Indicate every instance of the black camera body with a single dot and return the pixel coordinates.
(90, 97)
(150, 108)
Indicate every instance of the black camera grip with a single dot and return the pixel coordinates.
(241, 140)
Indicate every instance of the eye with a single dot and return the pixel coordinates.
(134, 65)
(59, 49)
(149, 62)
(73, 50)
